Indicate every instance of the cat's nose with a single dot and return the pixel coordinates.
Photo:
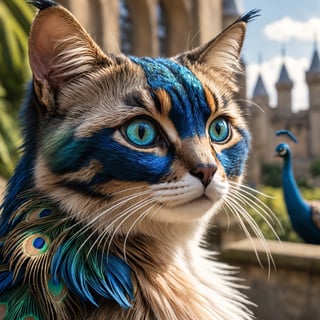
(205, 173)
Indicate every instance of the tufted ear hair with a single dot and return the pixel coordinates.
(59, 50)
(223, 52)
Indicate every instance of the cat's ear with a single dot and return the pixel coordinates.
(59, 50)
(223, 52)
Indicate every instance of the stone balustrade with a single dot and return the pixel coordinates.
(290, 290)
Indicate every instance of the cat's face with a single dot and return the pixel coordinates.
(126, 139)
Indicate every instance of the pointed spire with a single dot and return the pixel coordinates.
(315, 61)
(259, 89)
(284, 75)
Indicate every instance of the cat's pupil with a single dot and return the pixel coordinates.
(141, 131)
(218, 128)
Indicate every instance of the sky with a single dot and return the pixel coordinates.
(286, 30)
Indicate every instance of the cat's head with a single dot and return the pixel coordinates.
(126, 139)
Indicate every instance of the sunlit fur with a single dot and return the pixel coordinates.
(95, 226)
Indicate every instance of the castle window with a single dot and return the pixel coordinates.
(126, 25)
(162, 29)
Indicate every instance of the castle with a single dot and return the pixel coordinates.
(165, 28)
(303, 124)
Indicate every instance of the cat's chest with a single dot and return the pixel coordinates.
(171, 285)
(173, 294)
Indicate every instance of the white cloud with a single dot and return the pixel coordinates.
(270, 71)
(288, 29)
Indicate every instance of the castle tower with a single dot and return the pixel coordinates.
(284, 87)
(313, 81)
(260, 94)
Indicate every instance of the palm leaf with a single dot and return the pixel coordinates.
(15, 19)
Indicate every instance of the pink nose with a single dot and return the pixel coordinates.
(205, 173)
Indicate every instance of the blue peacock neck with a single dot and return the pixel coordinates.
(296, 206)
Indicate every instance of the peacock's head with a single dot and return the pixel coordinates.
(282, 150)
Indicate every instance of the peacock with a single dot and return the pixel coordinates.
(304, 216)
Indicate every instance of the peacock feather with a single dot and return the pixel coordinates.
(47, 265)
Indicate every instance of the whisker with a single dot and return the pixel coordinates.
(128, 214)
(105, 235)
(255, 203)
(261, 209)
(251, 103)
(88, 224)
(240, 210)
(234, 210)
(125, 215)
(113, 207)
(140, 218)
(243, 186)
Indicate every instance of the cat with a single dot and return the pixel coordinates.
(125, 161)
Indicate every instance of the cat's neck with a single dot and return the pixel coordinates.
(172, 282)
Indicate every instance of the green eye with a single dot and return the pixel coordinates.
(219, 130)
(141, 132)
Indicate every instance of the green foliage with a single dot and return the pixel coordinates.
(8, 140)
(15, 19)
(275, 202)
(315, 168)
(271, 174)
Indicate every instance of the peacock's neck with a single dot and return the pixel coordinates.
(296, 206)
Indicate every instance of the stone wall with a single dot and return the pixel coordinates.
(291, 291)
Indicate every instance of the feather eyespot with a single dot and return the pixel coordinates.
(38, 214)
(36, 245)
(57, 289)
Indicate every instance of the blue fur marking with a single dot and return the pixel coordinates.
(118, 161)
(94, 276)
(233, 159)
(22, 179)
(189, 111)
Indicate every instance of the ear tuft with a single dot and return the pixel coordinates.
(249, 16)
(42, 4)
(223, 52)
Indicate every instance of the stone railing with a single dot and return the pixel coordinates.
(290, 290)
